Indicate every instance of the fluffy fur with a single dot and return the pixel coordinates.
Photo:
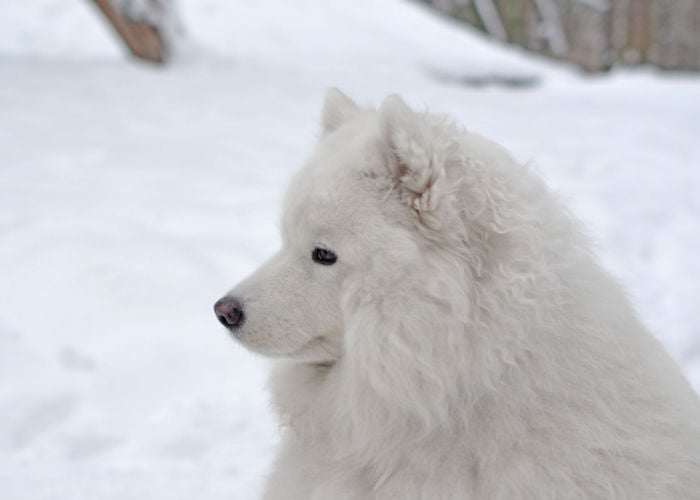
(466, 344)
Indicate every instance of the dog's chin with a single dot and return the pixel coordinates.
(317, 350)
(314, 351)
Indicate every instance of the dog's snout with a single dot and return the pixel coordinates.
(229, 312)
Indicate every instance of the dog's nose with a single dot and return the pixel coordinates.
(229, 312)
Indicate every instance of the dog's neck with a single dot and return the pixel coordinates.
(312, 401)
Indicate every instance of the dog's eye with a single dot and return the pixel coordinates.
(323, 256)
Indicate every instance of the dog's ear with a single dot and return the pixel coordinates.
(337, 109)
(417, 155)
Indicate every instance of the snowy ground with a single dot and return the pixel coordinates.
(131, 198)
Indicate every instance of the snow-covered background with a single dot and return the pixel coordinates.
(132, 197)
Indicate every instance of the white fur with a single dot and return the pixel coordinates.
(466, 344)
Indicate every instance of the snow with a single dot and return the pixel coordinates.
(132, 197)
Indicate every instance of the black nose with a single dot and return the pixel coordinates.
(229, 312)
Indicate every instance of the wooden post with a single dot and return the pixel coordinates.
(594, 34)
(142, 39)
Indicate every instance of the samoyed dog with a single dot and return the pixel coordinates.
(443, 331)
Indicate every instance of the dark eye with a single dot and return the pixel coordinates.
(324, 256)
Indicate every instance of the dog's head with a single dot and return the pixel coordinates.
(385, 235)
(342, 223)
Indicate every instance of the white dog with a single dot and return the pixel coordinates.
(444, 332)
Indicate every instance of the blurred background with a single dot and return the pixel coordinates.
(144, 148)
